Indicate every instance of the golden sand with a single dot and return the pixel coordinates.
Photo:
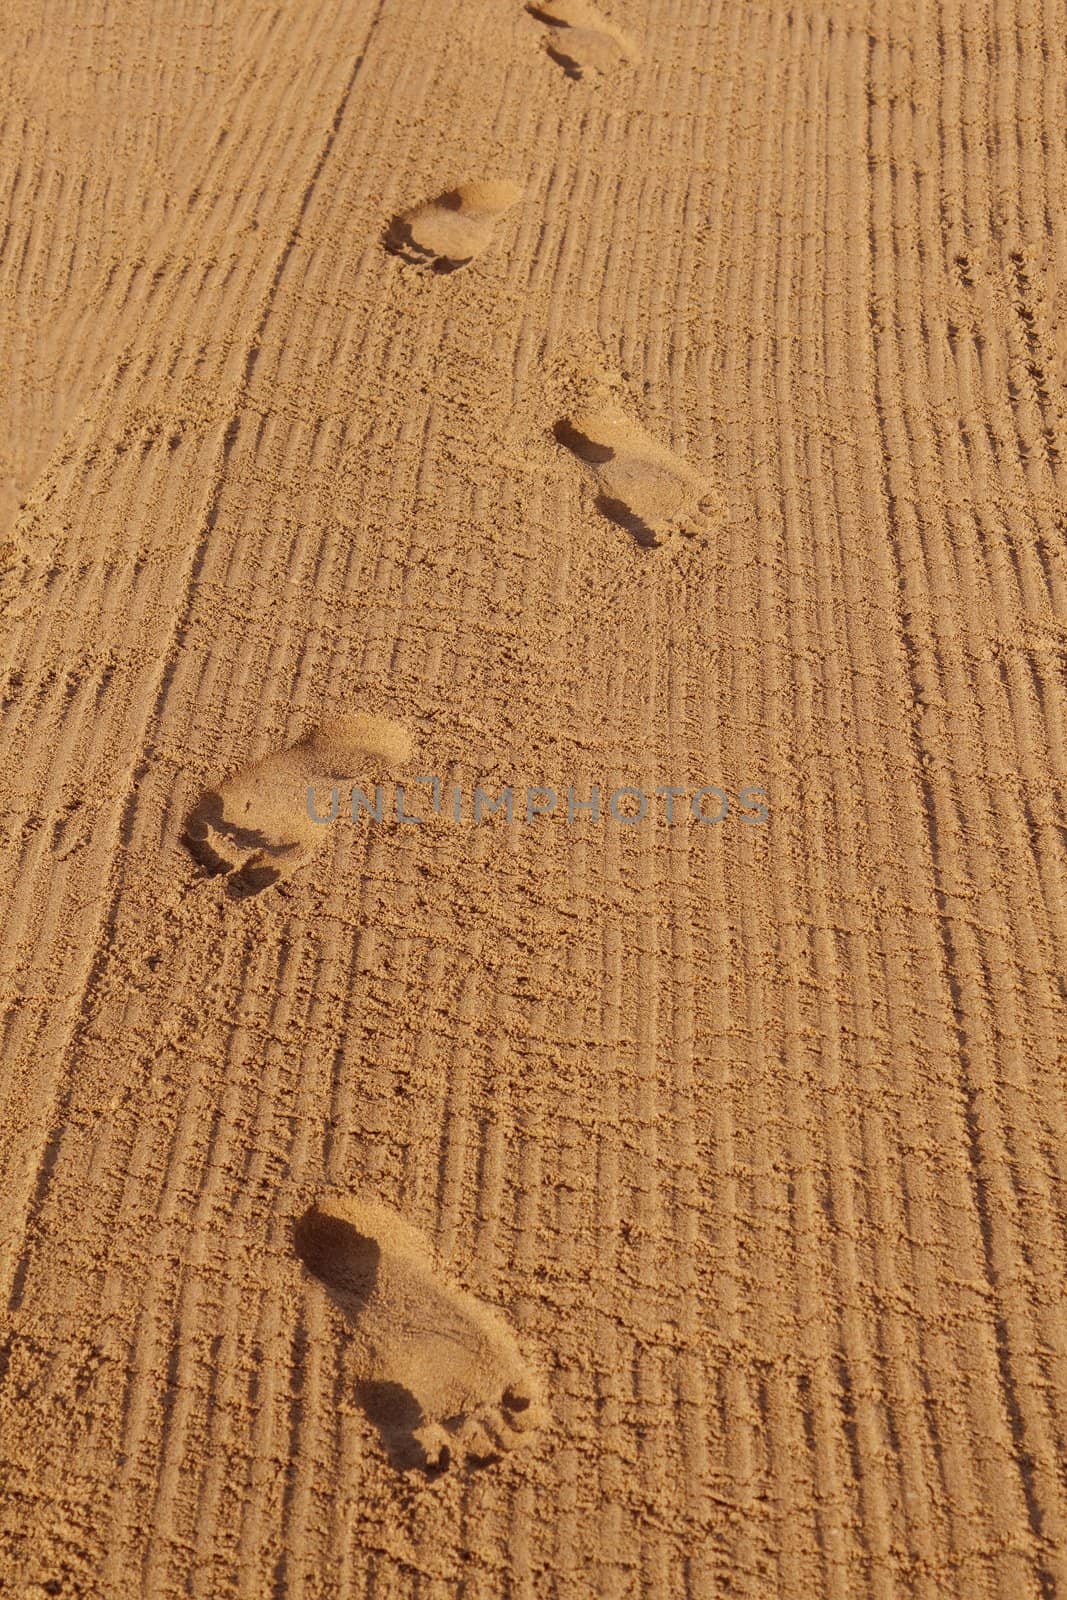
(433, 397)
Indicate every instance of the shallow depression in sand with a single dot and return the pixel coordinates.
(439, 1374)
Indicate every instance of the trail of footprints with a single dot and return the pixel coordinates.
(641, 485)
(439, 1375)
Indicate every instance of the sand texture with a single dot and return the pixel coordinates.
(401, 399)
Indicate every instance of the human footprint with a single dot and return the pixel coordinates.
(439, 1374)
(257, 825)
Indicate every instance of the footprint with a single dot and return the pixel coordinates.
(439, 1374)
(642, 485)
(581, 40)
(256, 826)
(448, 232)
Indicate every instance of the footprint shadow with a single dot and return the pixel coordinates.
(208, 820)
(581, 445)
(344, 1260)
(399, 240)
(398, 1417)
(558, 53)
(618, 511)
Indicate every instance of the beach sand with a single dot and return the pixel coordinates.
(432, 397)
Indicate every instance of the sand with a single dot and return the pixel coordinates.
(420, 399)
